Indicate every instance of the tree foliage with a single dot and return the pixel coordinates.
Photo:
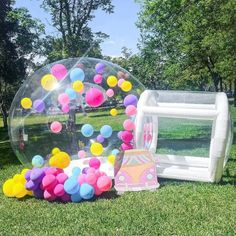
(19, 43)
(71, 18)
(193, 41)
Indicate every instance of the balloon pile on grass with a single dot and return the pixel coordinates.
(53, 184)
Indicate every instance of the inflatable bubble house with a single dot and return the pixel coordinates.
(81, 108)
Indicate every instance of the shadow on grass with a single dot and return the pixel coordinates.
(108, 195)
(228, 178)
(7, 156)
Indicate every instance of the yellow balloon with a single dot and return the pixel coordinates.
(23, 172)
(8, 188)
(60, 160)
(126, 86)
(112, 81)
(111, 159)
(26, 103)
(19, 190)
(78, 86)
(96, 149)
(30, 193)
(49, 82)
(55, 151)
(19, 178)
(113, 112)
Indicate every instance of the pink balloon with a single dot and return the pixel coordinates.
(63, 99)
(97, 191)
(95, 163)
(126, 136)
(56, 127)
(131, 110)
(98, 173)
(49, 195)
(128, 125)
(61, 178)
(49, 182)
(147, 137)
(98, 79)
(52, 171)
(65, 108)
(104, 183)
(94, 97)
(82, 179)
(91, 179)
(59, 71)
(59, 190)
(120, 81)
(110, 93)
(81, 154)
(91, 170)
(126, 146)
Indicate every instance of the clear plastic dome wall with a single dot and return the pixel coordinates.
(77, 105)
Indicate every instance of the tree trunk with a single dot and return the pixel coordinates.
(230, 87)
(217, 80)
(221, 83)
(4, 115)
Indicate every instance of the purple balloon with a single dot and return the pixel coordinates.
(119, 134)
(39, 105)
(37, 174)
(27, 175)
(100, 138)
(100, 67)
(130, 100)
(45, 168)
(31, 185)
(84, 171)
(38, 193)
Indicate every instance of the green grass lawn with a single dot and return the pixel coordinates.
(177, 208)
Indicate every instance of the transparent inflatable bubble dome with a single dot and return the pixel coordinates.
(84, 106)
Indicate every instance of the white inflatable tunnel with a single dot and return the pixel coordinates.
(171, 114)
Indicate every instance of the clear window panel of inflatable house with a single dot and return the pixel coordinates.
(184, 137)
(181, 136)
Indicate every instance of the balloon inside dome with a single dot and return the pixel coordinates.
(73, 109)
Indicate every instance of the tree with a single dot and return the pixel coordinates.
(19, 43)
(145, 67)
(195, 41)
(71, 18)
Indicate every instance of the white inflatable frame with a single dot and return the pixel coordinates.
(188, 167)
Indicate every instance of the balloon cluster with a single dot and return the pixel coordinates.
(126, 136)
(16, 186)
(52, 183)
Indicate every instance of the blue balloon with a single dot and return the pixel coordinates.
(71, 93)
(86, 191)
(77, 74)
(71, 186)
(76, 197)
(87, 130)
(115, 152)
(76, 171)
(106, 131)
(37, 161)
